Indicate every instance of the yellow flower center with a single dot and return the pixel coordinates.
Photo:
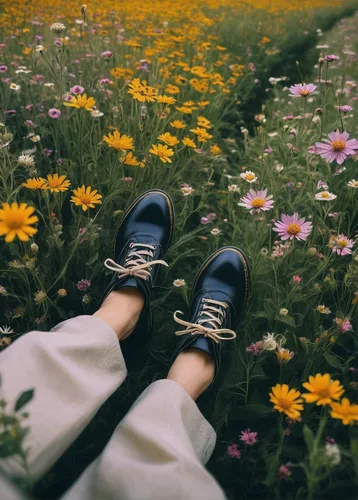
(324, 194)
(15, 221)
(86, 199)
(323, 392)
(338, 145)
(258, 202)
(284, 403)
(304, 92)
(250, 177)
(342, 242)
(293, 228)
(55, 183)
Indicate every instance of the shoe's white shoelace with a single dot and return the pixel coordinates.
(213, 316)
(135, 263)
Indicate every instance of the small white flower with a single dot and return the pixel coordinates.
(353, 184)
(49, 85)
(6, 330)
(57, 28)
(323, 309)
(25, 71)
(35, 138)
(233, 188)
(79, 21)
(15, 87)
(96, 113)
(26, 160)
(39, 48)
(187, 190)
(249, 176)
(325, 196)
(215, 231)
(283, 312)
(332, 453)
(269, 342)
(179, 283)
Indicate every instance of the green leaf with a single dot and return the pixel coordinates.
(309, 437)
(93, 259)
(23, 399)
(333, 361)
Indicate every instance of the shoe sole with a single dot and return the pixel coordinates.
(246, 268)
(137, 200)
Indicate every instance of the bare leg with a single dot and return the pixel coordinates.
(193, 370)
(121, 310)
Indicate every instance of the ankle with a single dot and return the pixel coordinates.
(193, 370)
(121, 310)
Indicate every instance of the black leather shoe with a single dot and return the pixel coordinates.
(140, 242)
(220, 293)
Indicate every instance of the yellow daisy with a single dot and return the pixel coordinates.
(16, 221)
(345, 411)
(188, 142)
(322, 390)
(168, 139)
(215, 150)
(81, 101)
(286, 400)
(35, 183)
(130, 159)
(164, 99)
(178, 124)
(163, 152)
(118, 141)
(86, 198)
(56, 183)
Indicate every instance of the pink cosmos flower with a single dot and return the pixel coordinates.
(345, 108)
(54, 113)
(83, 285)
(255, 201)
(341, 245)
(233, 451)
(284, 472)
(302, 90)
(331, 57)
(343, 324)
(337, 147)
(77, 89)
(290, 227)
(256, 348)
(297, 279)
(248, 437)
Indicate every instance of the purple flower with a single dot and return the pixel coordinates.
(302, 90)
(248, 437)
(256, 348)
(322, 184)
(337, 147)
(54, 113)
(233, 451)
(341, 245)
(345, 108)
(331, 57)
(330, 440)
(204, 220)
(255, 201)
(103, 81)
(288, 117)
(344, 325)
(83, 285)
(77, 89)
(107, 54)
(268, 150)
(3, 68)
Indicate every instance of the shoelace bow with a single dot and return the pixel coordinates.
(135, 263)
(213, 316)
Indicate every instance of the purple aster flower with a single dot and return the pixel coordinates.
(322, 184)
(107, 54)
(291, 226)
(337, 147)
(54, 113)
(345, 108)
(341, 245)
(302, 90)
(256, 348)
(83, 285)
(77, 89)
(248, 437)
(3, 68)
(204, 220)
(331, 57)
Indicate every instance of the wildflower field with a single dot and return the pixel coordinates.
(245, 112)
